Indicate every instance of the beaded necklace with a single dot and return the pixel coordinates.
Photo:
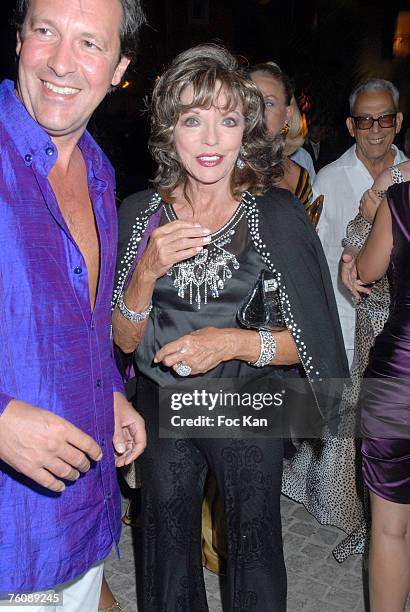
(209, 270)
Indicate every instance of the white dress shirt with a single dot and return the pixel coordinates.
(343, 183)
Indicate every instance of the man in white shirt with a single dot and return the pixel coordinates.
(374, 122)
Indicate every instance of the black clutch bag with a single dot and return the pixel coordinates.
(261, 308)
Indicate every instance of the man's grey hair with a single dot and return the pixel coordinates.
(374, 85)
(133, 20)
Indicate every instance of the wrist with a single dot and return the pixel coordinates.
(133, 315)
(244, 344)
(139, 292)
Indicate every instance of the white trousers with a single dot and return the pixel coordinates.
(79, 595)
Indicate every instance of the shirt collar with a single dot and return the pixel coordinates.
(35, 145)
(357, 162)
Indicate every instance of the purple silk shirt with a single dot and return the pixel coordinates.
(55, 353)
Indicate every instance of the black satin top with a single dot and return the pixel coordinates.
(173, 316)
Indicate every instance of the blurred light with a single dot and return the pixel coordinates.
(125, 85)
(401, 40)
(304, 102)
(304, 125)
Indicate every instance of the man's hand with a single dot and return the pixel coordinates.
(44, 446)
(348, 273)
(129, 436)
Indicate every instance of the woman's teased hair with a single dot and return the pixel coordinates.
(211, 70)
(295, 136)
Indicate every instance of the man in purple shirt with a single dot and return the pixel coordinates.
(64, 422)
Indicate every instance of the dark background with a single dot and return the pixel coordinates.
(327, 46)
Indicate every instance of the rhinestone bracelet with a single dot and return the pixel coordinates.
(268, 349)
(132, 315)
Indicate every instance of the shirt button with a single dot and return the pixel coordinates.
(98, 383)
(102, 443)
(92, 326)
(50, 151)
(78, 270)
(28, 158)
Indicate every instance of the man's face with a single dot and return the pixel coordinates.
(69, 55)
(375, 143)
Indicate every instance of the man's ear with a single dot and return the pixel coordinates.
(399, 121)
(350, 126)
(120, 70)
(18, 43)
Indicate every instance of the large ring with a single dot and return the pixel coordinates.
(182, 368)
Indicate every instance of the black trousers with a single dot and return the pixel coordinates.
(249, 474)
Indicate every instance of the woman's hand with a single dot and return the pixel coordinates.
(202, 350)
(369, 203)
(348, 273)
(170, 244)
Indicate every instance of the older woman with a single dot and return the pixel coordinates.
(189, 255)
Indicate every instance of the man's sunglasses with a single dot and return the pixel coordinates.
(384, 121)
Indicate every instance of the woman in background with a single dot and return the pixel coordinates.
(284, 120)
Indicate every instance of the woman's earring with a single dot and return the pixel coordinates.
(284, 131)
(240, 163)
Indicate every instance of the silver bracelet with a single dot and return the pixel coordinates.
(268, 349)
(132, 315)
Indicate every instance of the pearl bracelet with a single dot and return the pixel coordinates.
(268, 349)
(132, 315)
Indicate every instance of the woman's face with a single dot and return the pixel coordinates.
(277, 112)
(207, 140)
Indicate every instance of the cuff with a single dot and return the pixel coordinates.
(4, 401)
(117, 382)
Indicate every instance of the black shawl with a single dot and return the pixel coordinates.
(287, 241)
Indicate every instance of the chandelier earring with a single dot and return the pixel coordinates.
(285, 130)
(240, 162)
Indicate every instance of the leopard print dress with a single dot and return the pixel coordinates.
(324, 475)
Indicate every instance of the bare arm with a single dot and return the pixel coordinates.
(373, 260)
(167, 245)
(127, 335)
(206, 348)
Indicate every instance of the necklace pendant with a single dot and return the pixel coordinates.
(209, 269)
